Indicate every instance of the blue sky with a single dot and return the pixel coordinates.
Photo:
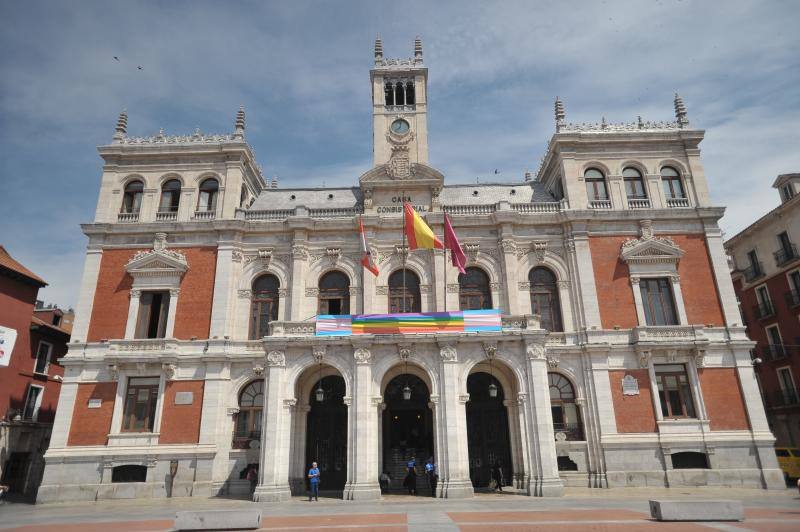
(301, 69)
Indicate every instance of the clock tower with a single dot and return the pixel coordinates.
(399, 111)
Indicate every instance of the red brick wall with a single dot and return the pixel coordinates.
(181, 423)
(615, 294)
(90, 426)
(634, 413)
(723, 398)
(16, 307)
(112, 297)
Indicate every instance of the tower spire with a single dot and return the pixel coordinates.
(378, 49)
(121, 131)
(418, 50)
(560, 114)
(680, 112)
(238, 132)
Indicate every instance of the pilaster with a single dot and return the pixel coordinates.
(222, 306)
(299, 268)
(273, 481)
(83, 310)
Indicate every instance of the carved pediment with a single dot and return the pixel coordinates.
(158, 261)
(650, 249)
(400, 169)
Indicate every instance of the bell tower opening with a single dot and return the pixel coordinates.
(399, 107)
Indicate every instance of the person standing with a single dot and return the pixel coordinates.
(497, 475)
(433, 477)
(410, 482)
(252, 476)
(313, 479)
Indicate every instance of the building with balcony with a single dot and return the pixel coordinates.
(30, 377)
(622, 360)
(766, 276)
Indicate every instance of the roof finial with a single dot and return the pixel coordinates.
(527, 175)
(274, 183)
(418, 50)
(378, 49)
(238, 132)
(680, 112)
(560, 114)
(121, 131)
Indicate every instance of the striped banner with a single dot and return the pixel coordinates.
(410, 323)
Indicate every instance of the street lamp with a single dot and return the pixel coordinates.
(492, 386)
(406, 388)
(320, 393)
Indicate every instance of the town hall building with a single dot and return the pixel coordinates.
(196, 367)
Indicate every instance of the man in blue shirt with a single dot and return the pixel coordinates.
(313, 478)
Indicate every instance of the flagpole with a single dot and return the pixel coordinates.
(444, 257)
(364, 241)
(404, 252)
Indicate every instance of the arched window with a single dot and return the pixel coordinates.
(207, 201)
(399, 94)
(673, 187)
(595, 185)
(404, 297)
(544, 298)
(132, 198)
(473, 290)
(389, 92)
(410, 93)
(248, 420)
(634, 184)
(334, 294)
(170, 196)
(264, 306)
(566, 417)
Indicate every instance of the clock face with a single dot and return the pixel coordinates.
(400, 127)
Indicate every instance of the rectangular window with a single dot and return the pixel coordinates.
(775, 348)
(658, 301)
(752, 258)
(42, 358)
(787, 386)
(596, 189)
(634, 188)
(787, 192)
(33, 399)
(674, 391)
(673, 188)
(152, 319)
(140, 404)
(794, 281)
(764, 308)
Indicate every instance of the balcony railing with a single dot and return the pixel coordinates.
(128, 217)
(600, 204)
(544, 206)
(753, 272)
(469, 209)
(774, 352)
(785, 255)
(638, 203)
(781, 398)
(792, 298)
(572, 431)
(204, 215)
(166, 216)
(764, 310)
(677, 202)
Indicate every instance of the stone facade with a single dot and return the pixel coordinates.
(599, 347)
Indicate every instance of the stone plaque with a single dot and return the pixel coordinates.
(630, 386)
(95, 403)
(184, 398)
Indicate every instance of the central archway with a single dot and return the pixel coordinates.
(488, 434)
(407, 429)
(326, 432)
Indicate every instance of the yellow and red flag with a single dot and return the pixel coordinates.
(418, 233)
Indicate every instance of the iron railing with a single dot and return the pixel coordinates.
(764, 310)
(785, 255)
(753, 272)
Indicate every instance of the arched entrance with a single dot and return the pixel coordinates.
(488, 436)
(326, 432)
(407, 429)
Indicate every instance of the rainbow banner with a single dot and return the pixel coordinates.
(410, 323)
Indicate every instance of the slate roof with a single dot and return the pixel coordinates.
(8, 264)
(320, 198)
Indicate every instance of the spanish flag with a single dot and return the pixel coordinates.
(419, 235)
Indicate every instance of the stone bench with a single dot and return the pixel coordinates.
(242, 519)
(696, 510)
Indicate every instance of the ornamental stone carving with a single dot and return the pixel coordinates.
(448, 353)
(405, 351)
(236, 255)
(290, 403)
(650, 249)
(276, 358)
(245, 294)
(700, 358)
(535, 351)
(174, 292)
(318, 352)
(312, 291)
(524, 286)
(495, 286)
(644, 359)
(490, 348)
(424, 289)
(522, 398)
(463, 398)
(299, 252)
(169, 370)
(382, 290)
(283, 292)
(453, 288)
(258, 370)
(135, 292)
(362, 355)
(539, 249)
(552, 359)
(508, 245)
(113, 372)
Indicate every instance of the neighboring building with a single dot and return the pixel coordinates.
(30, 378)
(55, 316)
(622, 360)
(766, 277)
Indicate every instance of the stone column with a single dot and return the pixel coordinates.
(297, 478)
(515, 439)
(173, 309)
(133, 310)
(299, 267)
(510, 277)
(215, 421)
(722, 276)
(273, 473)
(452, 418)
(83, 310)
(363, 428)
(221, 309)
(545, 481)
(581, 258)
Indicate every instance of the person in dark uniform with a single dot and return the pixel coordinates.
(410, 482)
(497, 475)
(433, 476)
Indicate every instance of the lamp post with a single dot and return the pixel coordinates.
(406, 388)
(492, 386)
(320, 393)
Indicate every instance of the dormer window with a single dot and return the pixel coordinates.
(787, 192)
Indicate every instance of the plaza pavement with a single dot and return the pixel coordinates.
(579, 510)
